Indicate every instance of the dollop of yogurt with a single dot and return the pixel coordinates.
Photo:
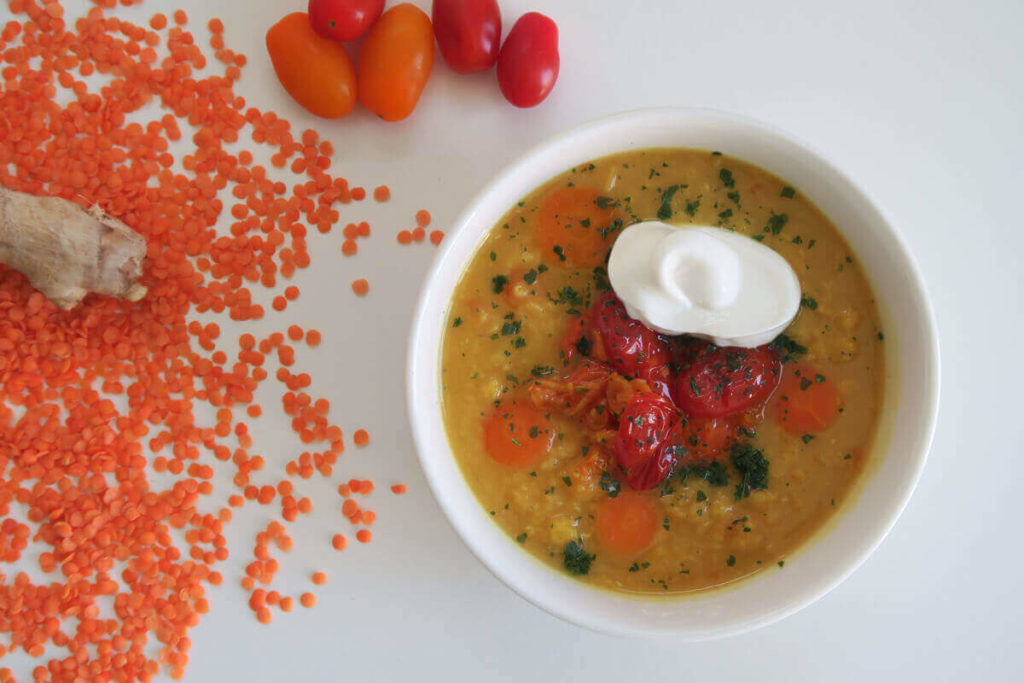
(708, 282)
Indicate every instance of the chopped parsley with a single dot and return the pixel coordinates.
(530, 277)
(606, 202)
(787, 192)
(575, 559)
(609, 485)
(499, 282)
(665, 210)
(776, 223)
(691, 207)
(727, 179)
(713, 473)
(456, 322)
(511, 327)
(731, 561)
(806, 438)
(542, 371)
(559, 252)
(787, 349)
(809, 302)
(752, 466)
(521, 538)
(701, 496)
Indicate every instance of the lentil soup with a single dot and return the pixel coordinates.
(578, 428)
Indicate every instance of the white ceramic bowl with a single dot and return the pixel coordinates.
(912, 383)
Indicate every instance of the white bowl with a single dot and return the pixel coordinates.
(912, 383)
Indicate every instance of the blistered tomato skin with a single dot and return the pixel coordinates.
(645, 445)
(727, 381)
(395, 62)
(528, 62)
(632, 348)
(468, 33)
(344, 20)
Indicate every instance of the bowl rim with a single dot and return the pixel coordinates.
(438, 487)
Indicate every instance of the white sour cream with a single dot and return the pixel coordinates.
(708, 282)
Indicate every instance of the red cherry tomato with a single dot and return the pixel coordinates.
(468, 32)
(645, 445)
(528, 61)
(727, 380)
(632, 348)
(344, 20)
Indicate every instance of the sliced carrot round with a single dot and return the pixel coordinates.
(573, 227)
(517, 435)
(807, 401)
(627, 523)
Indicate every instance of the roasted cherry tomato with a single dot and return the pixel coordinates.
(395, 62)
(468, 32)
(727, 380)
(317, 72)
(645, 446)
(632, 348)
(344, 20)
(528, 61)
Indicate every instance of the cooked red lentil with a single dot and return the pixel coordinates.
(683, 466)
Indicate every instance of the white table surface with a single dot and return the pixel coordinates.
(922, 103)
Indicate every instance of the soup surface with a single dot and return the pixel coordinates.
(583, 454)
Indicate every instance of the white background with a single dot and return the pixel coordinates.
(922, 103)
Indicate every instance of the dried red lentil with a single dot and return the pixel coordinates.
(74, 457)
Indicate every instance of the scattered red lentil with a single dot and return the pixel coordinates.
(436, 236)
(216, 232)
(418, 234)
(404, 237)
(361, 437)
(360, 287)
(319, 578)
(382, 193)
(349, 247)
(423, 218)
(398, 489)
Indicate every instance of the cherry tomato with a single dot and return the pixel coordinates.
(645, 446)
(469, 33)
(727, 380)
(344, 20)
(528, 61)
(317, 72)
(395, 62)
(632, 348)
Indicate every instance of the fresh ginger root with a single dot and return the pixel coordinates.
(66, 251)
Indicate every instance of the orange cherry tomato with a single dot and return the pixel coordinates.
(315, 71)
(395, 62)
